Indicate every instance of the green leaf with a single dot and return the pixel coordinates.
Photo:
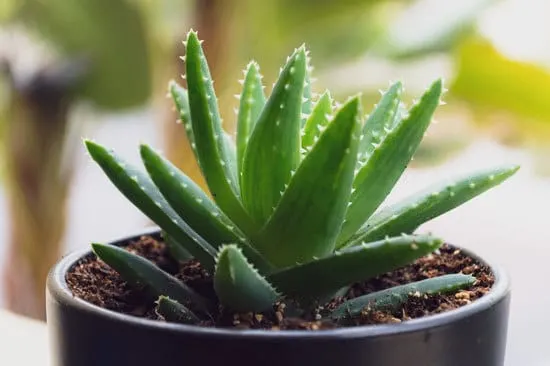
(393, 298)
(114, 41)
(173, 311)
(380, 122)
(232, 152)
(376, 179)
(177, 251)
(307, 105)
(252, 101)
(273, 151)
(308, 219)
(138, 188)
(359, 263)
(194, 206)
(238, 284)
(399, 115)
(317, 121)
(189, 201)
(214, 155)
(407, 215)
(9, 10)
(139, 271)
(180, 97)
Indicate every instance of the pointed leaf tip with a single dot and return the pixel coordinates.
(238, 284)
(172, 84)
(437, 85)
(411, 212)
(139, 271)
(88, 142)
(96, 248)
(173, 311)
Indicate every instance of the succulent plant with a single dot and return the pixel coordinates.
(294, 213)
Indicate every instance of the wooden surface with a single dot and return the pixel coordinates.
(23, 342)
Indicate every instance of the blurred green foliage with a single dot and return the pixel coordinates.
(488, 79)
(8, 8)
(110, 34)
(428, 26)
(130, 41)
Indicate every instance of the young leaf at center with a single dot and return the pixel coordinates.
(252, 101)
(380, 121)
(317, 121)
(306, 222)
(273, 150)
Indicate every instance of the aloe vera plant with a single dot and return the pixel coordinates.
(294, 213)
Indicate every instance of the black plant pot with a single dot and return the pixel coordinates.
(82, 334)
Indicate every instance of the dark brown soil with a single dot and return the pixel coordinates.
(93, 281)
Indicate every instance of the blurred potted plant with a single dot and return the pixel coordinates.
(291, 262)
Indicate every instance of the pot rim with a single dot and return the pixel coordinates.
(58, 289)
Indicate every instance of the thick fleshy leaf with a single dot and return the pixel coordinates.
(177, 251)
(252, 101)
(399, 115)
(238, 284)
(307, 95)
(273, 150)
(189, 201)
(407, 215)
(308, 219)
(327, 275)
(139, 189)
(173, 311)
(214, 155)
(393, 298)
(376, 179)
(139, 271)
(231, 151)
(317, 122)
(194, 206)
(180, 96)
(380, 121)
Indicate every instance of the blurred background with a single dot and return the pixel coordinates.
(100, 68)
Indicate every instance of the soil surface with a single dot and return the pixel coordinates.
(95, 282)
